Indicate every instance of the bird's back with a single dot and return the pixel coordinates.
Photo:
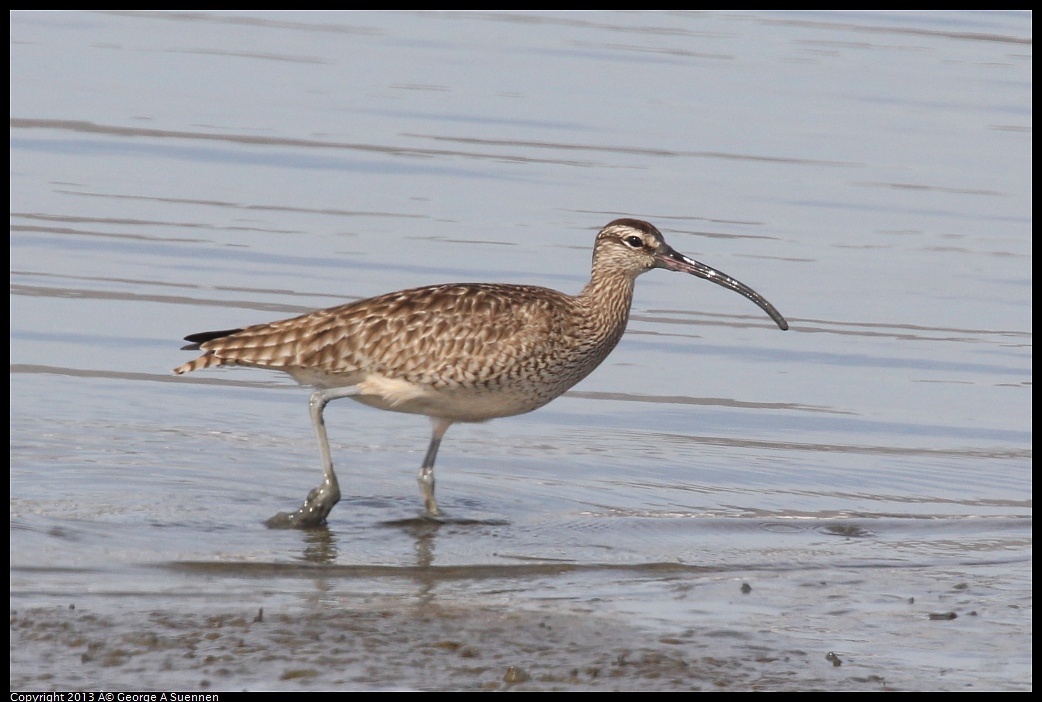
(476, 350)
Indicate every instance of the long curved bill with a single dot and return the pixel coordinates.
(668, 258)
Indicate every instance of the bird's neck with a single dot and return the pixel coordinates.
(606, 301)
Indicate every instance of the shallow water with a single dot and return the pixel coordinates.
(867, 474)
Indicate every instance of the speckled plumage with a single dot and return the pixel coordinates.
(458, 352)
(514, 346)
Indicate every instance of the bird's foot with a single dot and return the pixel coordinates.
(312, 513)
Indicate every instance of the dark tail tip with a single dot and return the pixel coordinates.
(202, 337)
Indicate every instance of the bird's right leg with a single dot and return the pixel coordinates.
(321, 499)
(426, 476)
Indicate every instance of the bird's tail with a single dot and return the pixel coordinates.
(206, 361)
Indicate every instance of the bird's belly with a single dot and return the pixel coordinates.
(459, 404)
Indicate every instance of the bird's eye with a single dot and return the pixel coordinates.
(634, 241)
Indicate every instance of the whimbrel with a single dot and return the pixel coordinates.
(455, 353)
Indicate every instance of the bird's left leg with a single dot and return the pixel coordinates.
(321, 499)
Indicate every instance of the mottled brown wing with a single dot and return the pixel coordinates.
(441, 335)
